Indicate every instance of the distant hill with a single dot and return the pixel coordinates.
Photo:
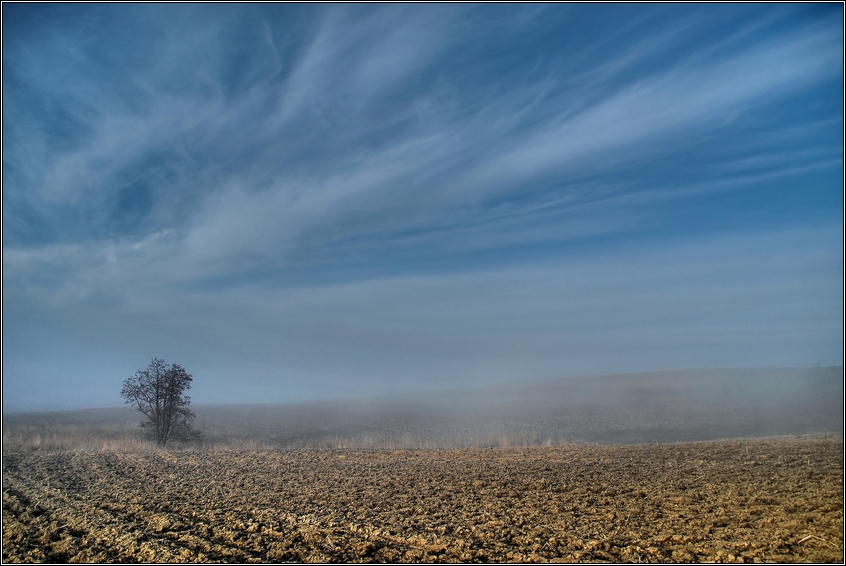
(666, 406)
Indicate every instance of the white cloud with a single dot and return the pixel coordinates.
(677, 104)
(353, 59)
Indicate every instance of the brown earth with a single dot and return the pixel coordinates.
(772, 500)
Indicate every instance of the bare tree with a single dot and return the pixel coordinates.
(158, 393)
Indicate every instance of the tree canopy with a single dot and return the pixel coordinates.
(158, 392)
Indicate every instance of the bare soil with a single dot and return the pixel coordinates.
(771, 500)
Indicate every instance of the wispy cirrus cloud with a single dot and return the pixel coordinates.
(397, 165)
(399, 186)
(159, 153)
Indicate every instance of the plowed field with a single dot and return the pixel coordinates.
(735, 501)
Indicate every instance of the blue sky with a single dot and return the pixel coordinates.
(319, 201)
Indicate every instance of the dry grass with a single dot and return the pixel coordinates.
(625, 409)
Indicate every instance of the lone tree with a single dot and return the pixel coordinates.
(158, 393)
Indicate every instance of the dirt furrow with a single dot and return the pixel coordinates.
(735, 501)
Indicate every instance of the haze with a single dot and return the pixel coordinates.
(320, 202)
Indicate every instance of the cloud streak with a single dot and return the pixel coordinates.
(160, 158)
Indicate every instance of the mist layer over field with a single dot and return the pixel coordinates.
(671, 406)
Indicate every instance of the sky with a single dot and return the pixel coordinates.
(322, 201)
